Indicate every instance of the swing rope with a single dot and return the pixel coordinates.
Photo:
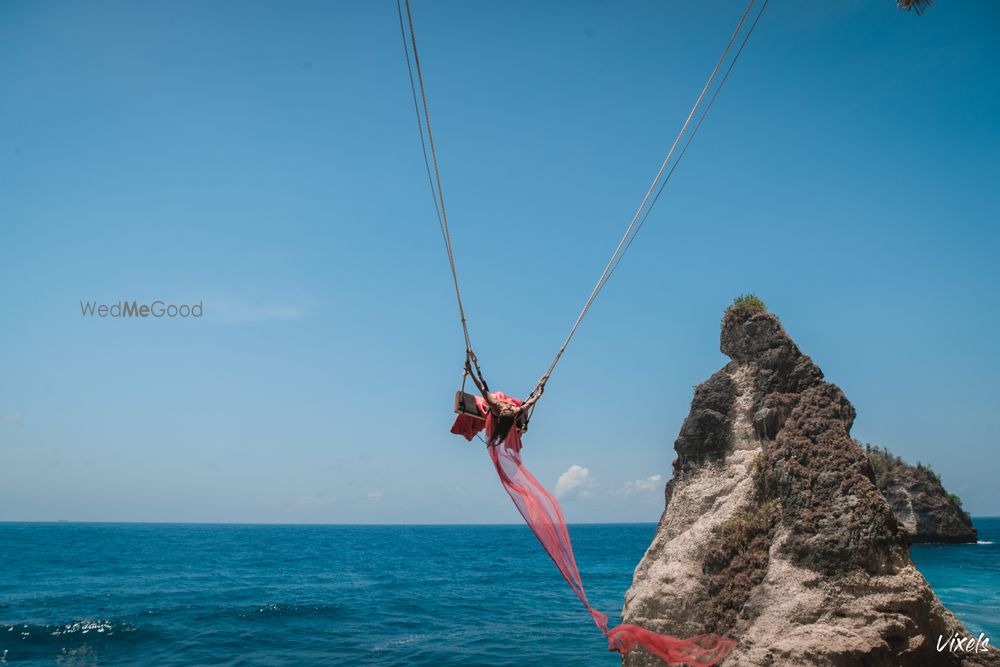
(437, 193)
(637, 221)
(625, 240)
(691, 136)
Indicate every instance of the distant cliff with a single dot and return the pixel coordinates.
(774, 531)
(923, 508)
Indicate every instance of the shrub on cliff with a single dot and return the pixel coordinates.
(746, 303)
(742, 308)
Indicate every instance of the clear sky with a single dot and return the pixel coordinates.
(262, 158)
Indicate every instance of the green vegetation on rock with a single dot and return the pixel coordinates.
(925, 509)
(749, 302)
(746, 304)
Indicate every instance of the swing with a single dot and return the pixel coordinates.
(465, 404)
(472, 410)
(505, 418)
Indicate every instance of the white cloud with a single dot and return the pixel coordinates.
(574, 482)
(376, 495)
(234, 312)
(640, 487)
(16, 419)
(298, 502)
(314, 501)
(226, 308)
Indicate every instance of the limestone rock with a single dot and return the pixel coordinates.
(774, 531)
(925, 511)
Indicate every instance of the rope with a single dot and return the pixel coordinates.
(438, 194)
(416, 111)
(615, 256)
(697, 126)
(638, 220)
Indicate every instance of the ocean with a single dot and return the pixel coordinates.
(164, 594)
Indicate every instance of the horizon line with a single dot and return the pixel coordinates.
(306, 523)
(334, 525)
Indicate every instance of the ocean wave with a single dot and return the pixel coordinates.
(83, 630)
(287, 609)
(984, 542)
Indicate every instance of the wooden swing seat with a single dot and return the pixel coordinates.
(465, 404)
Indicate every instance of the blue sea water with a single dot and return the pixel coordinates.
(156, 594)
(967, 577)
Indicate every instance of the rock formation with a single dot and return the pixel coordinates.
(774, 532)
(924, 510)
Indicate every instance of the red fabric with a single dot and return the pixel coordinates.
(545, 518)
(467, 426)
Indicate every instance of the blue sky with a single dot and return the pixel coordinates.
(262, 158)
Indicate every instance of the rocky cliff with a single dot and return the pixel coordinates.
(774, 532)
(924, 510)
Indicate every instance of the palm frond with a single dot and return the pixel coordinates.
(918, 6)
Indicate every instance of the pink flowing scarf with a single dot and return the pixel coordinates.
(543, 515)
